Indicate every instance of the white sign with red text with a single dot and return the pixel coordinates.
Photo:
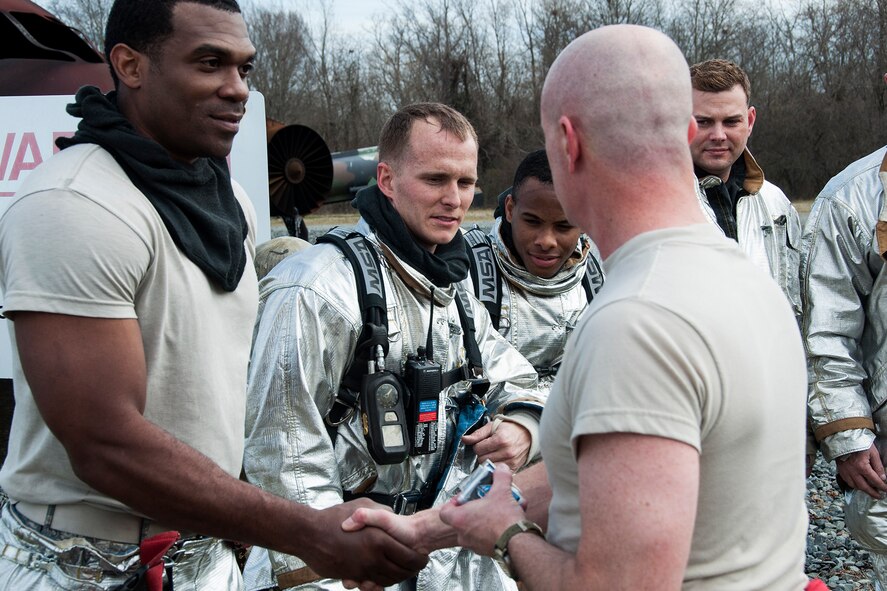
(29, 126)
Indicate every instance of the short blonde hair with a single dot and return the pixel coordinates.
(395, 134)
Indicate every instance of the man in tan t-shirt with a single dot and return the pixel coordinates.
(126, 267)
(673, 437)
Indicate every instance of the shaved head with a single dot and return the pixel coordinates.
(627, 91)
(617, 112)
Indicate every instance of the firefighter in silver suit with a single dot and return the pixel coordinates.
(534, 271)
(844, 284)
(308, 332)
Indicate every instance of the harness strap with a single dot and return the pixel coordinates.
(374, 311)
(593, 279)
(469, 334)
(485, 275)
(401, 503)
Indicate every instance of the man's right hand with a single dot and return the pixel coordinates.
(863, 470)
(366, 555)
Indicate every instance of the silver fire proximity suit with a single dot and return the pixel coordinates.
(309, 322)
(845, 331)
(537, 314)
(768, 228)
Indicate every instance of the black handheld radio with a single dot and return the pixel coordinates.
(382, 413)
(423, 378)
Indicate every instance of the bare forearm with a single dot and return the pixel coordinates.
(157, 475)
(433, 534)
(172, 483)
(541, 566)
(533, 483)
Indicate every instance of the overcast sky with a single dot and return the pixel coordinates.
(355, 16)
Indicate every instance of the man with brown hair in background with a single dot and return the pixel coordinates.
(733, 191)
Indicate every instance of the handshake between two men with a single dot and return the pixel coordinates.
(476, 525)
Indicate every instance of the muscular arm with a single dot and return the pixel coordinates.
(88, 378)
(637, 508)
(534, 485)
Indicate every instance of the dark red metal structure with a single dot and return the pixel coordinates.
(41, 55)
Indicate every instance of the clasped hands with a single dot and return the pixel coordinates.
(475, 525)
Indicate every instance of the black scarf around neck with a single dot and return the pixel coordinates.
(446, 265)
(195, 201)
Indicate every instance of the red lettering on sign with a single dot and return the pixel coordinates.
(7, 150)
(29, 143)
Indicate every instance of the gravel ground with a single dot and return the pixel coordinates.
(831, 554)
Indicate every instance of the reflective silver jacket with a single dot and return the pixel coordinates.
(845, 308)
(309, 321)
(537, 315)
(768, 228)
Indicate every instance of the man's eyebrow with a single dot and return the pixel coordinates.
(224, 52)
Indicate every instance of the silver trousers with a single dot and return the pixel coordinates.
(866, 520)
(39, 558)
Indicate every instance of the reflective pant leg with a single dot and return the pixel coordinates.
(48, 560)
(43, 559)
(206, 564)
(866, 519)
(257, 573)
(879, 565)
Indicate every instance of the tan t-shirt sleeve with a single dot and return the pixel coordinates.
(90, 265)
(650, 373)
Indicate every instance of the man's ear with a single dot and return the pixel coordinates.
(509, 207)
(751, 118)
(385, 179)
(570, 142)
(128, 64)
(692, 130)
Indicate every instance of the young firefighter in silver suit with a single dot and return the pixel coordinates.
(311, 330)
(534, 271)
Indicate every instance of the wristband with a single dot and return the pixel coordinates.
(500, 551)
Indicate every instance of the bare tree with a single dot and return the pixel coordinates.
(815, 68)
(283, 62)
(86, 16)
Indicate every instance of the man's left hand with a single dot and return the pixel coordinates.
(480, 522)
(501, 441)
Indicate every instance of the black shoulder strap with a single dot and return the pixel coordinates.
(469, 332)
(373, 309)
(593, 279)
(484, 273)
